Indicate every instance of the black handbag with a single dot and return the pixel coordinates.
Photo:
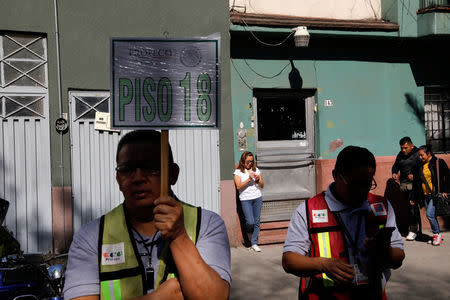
(441, 204)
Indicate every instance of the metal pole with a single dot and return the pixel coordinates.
(61, 165)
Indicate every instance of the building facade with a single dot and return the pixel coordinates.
(55, 68)
(373, 72)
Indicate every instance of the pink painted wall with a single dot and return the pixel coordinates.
(228, 211)
(383, 173)
(323, 179)
(62, 220)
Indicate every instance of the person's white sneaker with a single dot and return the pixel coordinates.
(411, 236)
(437, 239)
(256, 248)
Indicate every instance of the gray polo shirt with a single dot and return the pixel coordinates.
(82, 266)
(297, 239)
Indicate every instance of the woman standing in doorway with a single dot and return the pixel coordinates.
(248, 180)
(431, 184)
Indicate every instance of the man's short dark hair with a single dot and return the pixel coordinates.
(352, 157)
(404, 140)
(142, 136)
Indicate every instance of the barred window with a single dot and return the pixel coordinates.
(88, 103)
(281, 116)
(437, 118)
(23, 75)
(433, 4)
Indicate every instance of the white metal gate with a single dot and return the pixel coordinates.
(94, 186)
(197, 154)
(25, 141)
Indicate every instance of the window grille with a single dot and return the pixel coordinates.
(23, 75)
(437, 118)
(433, 3)
(281, 116)
(87, 103)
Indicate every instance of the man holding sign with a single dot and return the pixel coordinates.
(151, 246)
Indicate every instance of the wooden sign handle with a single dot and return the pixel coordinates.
(164, 163)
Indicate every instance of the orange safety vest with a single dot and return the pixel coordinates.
(327, 240)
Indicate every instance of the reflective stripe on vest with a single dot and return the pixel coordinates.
(325, 251)
(327, 241)
(120, 268)
(111, 289)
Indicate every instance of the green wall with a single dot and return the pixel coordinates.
(376, 79)
(433, 23)
(242, 89)
(94, 22)
(85, 28)
(403, 13)
(370, 101)
(370, 106)
(30, 16)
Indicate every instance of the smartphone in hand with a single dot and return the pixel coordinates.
(383, 237)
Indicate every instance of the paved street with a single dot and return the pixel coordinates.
(425, 273)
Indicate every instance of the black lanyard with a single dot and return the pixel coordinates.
(149, 270)
(353, 242)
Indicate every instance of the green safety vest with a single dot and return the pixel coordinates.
(121, 272)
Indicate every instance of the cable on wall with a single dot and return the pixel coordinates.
(262, 42)
(265, 76)
(240, 75)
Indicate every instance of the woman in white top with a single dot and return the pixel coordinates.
(248, 180)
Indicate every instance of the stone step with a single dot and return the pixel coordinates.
(273, 232)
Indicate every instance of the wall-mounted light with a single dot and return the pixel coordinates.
(301, 36)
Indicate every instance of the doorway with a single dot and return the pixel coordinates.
(284, 134)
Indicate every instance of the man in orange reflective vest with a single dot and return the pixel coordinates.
(342, 242)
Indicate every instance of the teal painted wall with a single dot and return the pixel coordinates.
(277, 73)
(402, 12)
(370, 101)
(370, 106)
(85, 28)
(433, 23)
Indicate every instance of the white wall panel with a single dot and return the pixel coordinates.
(197, 154)
(25, 181)
(331, 9)
(25, 140)
(94, 186)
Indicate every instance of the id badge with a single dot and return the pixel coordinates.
(150, 278)
(360, 278)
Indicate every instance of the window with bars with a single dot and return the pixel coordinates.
(23, 75)
(434, 4)
(437, 118)
(87, 104)
(281, 115)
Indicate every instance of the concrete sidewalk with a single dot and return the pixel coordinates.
(425, 273)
